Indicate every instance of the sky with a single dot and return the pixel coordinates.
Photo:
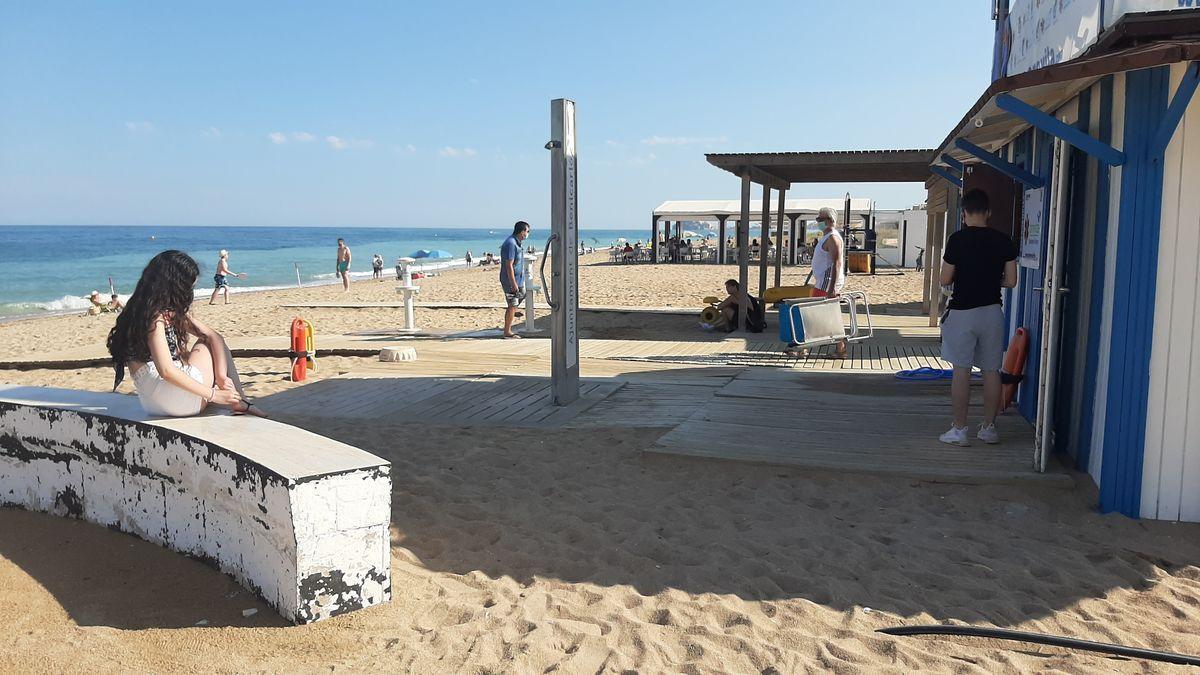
(435, 114)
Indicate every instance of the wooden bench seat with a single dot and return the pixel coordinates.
(300, 519)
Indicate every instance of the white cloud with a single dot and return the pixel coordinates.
(644, 159)
(277, 137)
(409, 149)
(457, 152)
(303, 137)
(339, 143)
(683, 140)
(143, 127)
(211, 132)
(612, 143)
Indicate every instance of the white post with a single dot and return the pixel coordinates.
(531, 289)
(298, 284)
(408, 290)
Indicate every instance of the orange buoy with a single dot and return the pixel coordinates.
(301, 338)
(1014, 367)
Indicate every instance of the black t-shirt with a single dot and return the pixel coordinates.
(978, 255)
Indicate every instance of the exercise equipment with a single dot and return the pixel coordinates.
(304, 349)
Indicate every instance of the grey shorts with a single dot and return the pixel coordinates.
(974, 337)
(514, 299)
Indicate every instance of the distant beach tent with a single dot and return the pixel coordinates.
(435, 253)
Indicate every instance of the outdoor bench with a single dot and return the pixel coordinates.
(299, 519)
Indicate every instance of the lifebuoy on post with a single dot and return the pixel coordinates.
(1014, 368)
(303, 349)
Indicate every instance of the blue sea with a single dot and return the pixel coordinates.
(48, 269)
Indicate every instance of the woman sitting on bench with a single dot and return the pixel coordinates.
(152, 335)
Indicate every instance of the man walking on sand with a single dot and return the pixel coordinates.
(978, 261)
(343, 263)
(512, 274)
(829, 263)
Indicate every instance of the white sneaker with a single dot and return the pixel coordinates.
(988, 434)
(956, 436)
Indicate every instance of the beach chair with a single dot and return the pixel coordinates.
(813, 322)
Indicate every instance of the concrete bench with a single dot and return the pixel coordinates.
(299, 519)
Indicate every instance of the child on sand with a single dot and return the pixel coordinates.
(152, 337)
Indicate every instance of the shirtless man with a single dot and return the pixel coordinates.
(220, 283)
(736, 304)
(343, 263)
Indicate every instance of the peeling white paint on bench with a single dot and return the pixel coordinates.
(298, 518)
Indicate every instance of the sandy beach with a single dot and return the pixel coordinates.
(573, 551)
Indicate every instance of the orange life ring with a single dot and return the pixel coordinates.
(303, 349)
(1014, 367)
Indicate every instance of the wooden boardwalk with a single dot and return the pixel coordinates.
(490, 400)
(868, 423)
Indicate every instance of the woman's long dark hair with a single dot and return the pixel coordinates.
(166, 288)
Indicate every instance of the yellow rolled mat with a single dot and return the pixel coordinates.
(778, 293)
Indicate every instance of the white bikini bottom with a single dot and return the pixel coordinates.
(159, 397)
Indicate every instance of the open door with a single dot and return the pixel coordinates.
(1051, 305)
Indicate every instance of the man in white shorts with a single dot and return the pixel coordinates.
(978, 261)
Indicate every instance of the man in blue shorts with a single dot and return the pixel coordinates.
(979, 260)
(512, 274)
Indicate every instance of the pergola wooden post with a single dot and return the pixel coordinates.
(927, 293)
(721, 239)
(765, 231)
(743, 235)
(935, 271)
(792, 238)
(779, 238)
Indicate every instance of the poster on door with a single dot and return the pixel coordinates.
(1031, 227)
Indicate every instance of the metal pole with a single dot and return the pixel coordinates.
(564, 226)
(297, 274)
(779, 239)
(654, 239)
(743, 236)
(764, 231)
(721, 239)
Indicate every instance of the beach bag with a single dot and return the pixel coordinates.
(756, 318)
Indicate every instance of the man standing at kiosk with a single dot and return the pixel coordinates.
(978, 261)
(512, 274)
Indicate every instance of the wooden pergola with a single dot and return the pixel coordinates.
(779, 170)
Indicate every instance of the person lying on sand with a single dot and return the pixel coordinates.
(173, 377)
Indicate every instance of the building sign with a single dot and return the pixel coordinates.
(1031, 227)
(1039, 33)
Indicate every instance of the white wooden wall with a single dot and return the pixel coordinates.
(1171, 471)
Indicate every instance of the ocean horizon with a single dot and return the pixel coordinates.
(48, 269)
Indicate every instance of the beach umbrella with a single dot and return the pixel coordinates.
(689, 233)
(427, 253)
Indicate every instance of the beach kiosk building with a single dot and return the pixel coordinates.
(1088, 143)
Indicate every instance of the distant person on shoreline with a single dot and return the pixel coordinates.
(343, 263)
(512, 274)
(152, 337)
(115, 304)
(220, 283)
(377, 267)
(468, 258)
